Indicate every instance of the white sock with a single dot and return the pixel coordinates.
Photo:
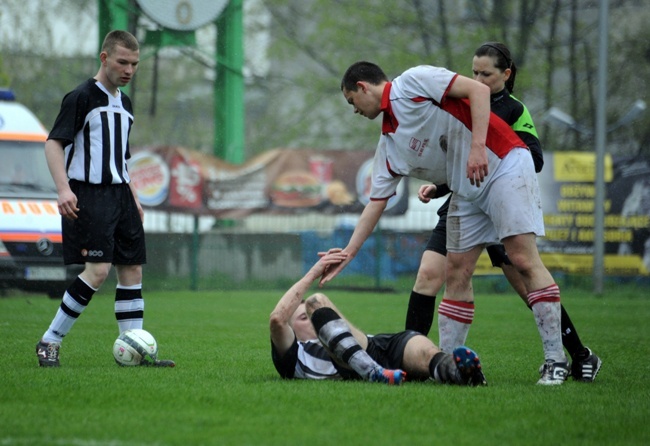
(129, 307)
(548, 319)
(547, 310)
(454, 321)
(75, 300)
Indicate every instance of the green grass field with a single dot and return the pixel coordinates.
(225, 391)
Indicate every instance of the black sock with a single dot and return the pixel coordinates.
(419, 315)
(434, 362)
(570, 338)
(443, 369)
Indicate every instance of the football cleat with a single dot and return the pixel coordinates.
(162, 363)
(586, 369)
(156, 363)
(48, 353)
(553, 373)
(387, 376)
(469, 367)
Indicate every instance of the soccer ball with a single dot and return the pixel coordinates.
(135, 347)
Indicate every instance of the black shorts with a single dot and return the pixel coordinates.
(498, 255)
(438, 239)
(388, 349)
(108, 228)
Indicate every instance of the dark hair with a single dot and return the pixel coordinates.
(362, 71)
(502, 60)
(121, 38)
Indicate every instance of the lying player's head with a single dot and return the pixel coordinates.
(301, 324)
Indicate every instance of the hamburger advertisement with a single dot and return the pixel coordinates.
(279, 181)
(296, 189)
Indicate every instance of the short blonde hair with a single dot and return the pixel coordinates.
(121, 38)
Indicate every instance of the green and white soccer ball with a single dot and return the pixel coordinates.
(135, 347)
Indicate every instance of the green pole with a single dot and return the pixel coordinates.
(194, 273)
(116, 14)
(113, 14)
(229, 85)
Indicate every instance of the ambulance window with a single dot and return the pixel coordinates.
(24, 163)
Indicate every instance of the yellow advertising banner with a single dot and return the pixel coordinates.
(567, 185)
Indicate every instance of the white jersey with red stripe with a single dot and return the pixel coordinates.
(427, 135)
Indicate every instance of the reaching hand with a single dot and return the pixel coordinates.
(332, 257)
(331, 262)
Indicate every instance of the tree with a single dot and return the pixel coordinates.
(315, 40)
(293, 97)
(4, 77)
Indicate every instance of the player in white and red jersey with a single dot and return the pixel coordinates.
(435, 120)
(493, 66)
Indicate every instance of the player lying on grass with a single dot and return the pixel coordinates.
(310, 339)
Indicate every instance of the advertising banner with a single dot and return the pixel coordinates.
(568, 191)
(291, 181)
(280, 181)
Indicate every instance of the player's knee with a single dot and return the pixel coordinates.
(316, 301)
(96, 273)
(429, 279)
(521, 262)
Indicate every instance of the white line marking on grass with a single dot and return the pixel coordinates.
(10, 441)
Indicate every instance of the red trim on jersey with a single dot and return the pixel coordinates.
(451, 82)
(501, 139)
(389, 122)
(391, 171)
(382, 199)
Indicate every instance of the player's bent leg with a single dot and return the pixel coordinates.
(431, 273)
(516, 281)
(418, 353)
(524, 256)
(335, 335)
(320, 300)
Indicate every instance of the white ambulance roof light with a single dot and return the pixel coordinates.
(7, 95)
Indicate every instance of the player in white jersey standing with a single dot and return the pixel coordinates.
(86, 152)
(437, 126)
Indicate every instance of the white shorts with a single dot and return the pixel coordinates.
(509, 205)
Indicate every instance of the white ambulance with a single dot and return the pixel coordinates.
(31, 257)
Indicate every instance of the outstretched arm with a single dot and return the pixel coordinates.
(367, 222)
(282, 334)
